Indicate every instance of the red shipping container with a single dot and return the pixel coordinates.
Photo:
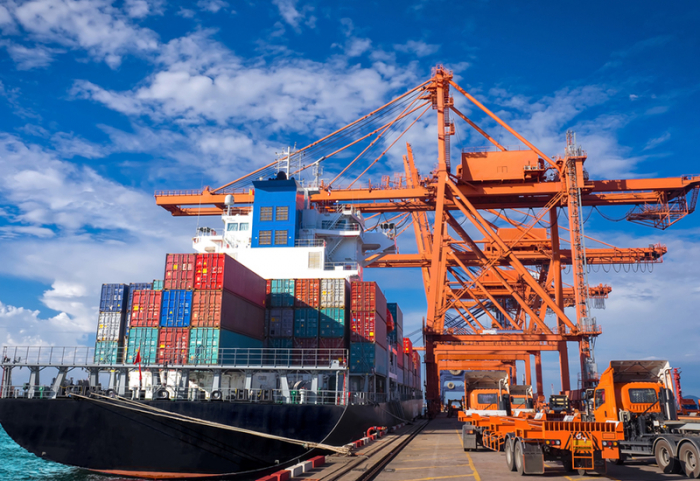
(179, 271)
(408, 347)
(336, 352)
(332, 343)
(416, 361)
(225, 310)
(367, 326)
(389, 321)
(309, 357)
(268, 286)
(307, 292)
(305, 343)
(366, 296)
(145, 308)
(220, 271)
(173, 345)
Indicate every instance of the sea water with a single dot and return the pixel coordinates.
(17, 464)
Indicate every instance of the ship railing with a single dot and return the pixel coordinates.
(27, 391)
(309, 243)
(242, 358)
(341, 266)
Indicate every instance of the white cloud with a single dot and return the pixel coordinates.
(143, 8)
(28, 58)
(655, 142)
(212, 6)
(418, 48)
(294, 16)
(95, 26)
(355, 47)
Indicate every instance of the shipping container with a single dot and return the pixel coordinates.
(400, 355)
(305, 343)
(176, 309)
(334, 293)
(406, 362)
(280, 322)
(306, 322)
(146, 308)
(367, 326)
(135, 286)
(107, 352)
(367, 296)
(157, 284)
(307, 292)
(179, 271)
(332, 349)
(399, 376)
(282, 293)
(416, 360)
(333, 343)
(279, 342)
(368, 358)
(214, 346)
(396, 313)
(408, 348)
(110, 326)
(310, 353)
(173, 345)
(114, 297)
(333, 322)
(225, 310)
(221, 271)
(143, 340)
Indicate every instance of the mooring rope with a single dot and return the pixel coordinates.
(151, 410)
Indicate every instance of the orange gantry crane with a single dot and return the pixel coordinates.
(490, 281)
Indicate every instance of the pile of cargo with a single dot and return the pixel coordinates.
(368, 337)
(206, 302)
(306, 313)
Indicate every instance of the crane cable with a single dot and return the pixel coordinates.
(153, 411)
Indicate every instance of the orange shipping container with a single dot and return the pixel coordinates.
(366, 296)
(179, 271)
(225, 310)
(145, 308)
(307, 292)
(173, 345)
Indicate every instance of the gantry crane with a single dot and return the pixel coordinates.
(488, 297)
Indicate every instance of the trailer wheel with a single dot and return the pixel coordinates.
(663, 452)
(510, 457)
(621, 460)
(690, 459)
(518, 455)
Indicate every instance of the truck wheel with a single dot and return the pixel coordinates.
(690, 459)
(663, 452)
(621, 460)
(518, 455)
(510, 457)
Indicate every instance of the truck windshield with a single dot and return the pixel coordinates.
(487, 398)
(518, 401)
(642, 396)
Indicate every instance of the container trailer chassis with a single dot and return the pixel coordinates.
(529, 442)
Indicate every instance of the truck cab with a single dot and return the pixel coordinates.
(487, 393)
(521, 399)
(688, 407)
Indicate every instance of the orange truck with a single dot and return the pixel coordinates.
(490, 393)
(632, 411)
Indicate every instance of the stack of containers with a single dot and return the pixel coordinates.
(416, 370)
(394, 336)
(133, 287)
(143, 325)
(227, 309)
(368, 336)
(111, 323)
(306, 313)
(176, 310)
(408, 362)
(279, 316)
(333, 302)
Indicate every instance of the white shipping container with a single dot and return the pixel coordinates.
(110, 326)
(334, 293)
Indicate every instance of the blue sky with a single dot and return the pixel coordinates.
(101, 103)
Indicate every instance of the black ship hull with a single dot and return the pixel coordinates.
(108, 438)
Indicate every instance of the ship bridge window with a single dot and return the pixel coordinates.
(265, 213)
(243, 226)
(642, 396)
(280, 237)
(265, 237)
(314, 260)
(282, 213)
(232, 227)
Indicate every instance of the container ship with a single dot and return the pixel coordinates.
(260, 348)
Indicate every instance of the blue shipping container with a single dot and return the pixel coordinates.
(107, 352)
(366, 358)
(144, 339)
(332, 322)
(176, 308)
(306, 322)
(113, 297)
(282, 293)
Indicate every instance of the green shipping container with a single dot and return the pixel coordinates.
(206, 342)
(306, 322)
(107, 352)
(282, 293)
(332, 322)
(144, 339)
(158, 285)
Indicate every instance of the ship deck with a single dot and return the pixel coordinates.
(427, 451)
